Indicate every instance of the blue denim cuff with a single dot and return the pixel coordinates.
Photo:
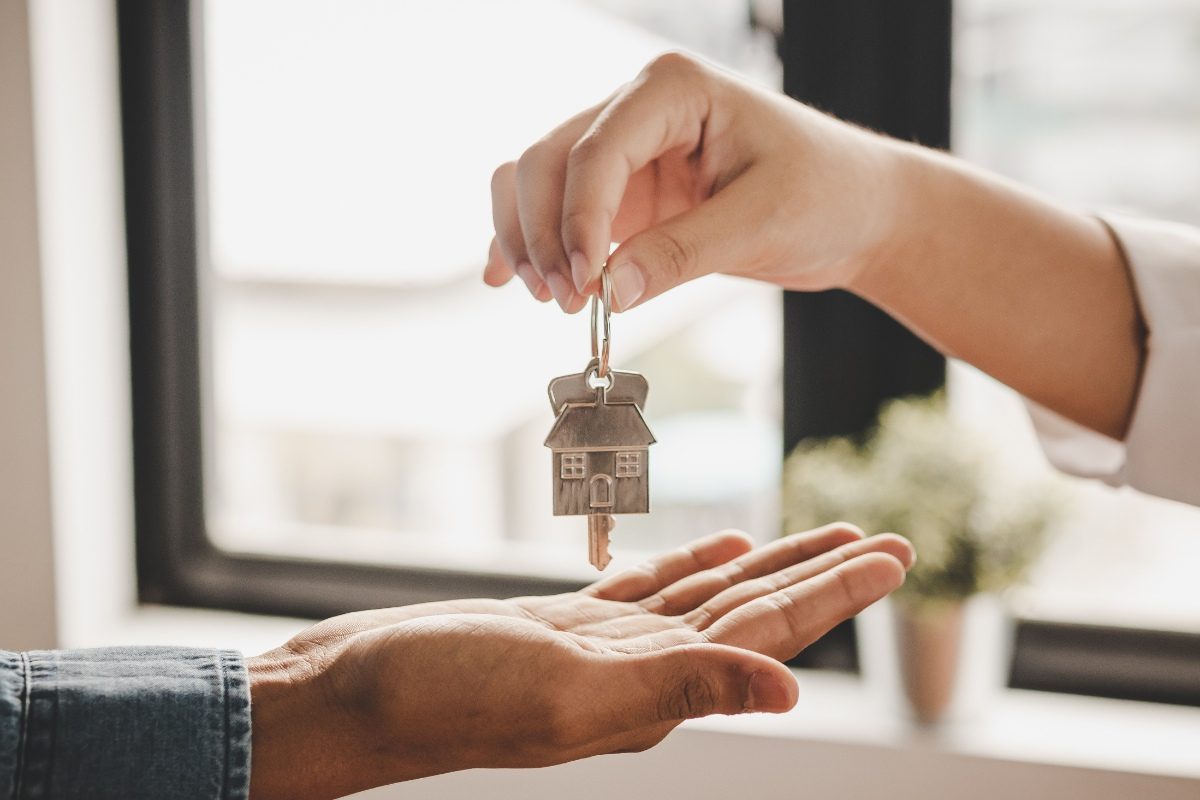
(131, 723)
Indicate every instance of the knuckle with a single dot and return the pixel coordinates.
(692, 695)
(672, 63)
(700, 618)
(545, 251)
(731, 573)
(768, 584)
(850, 594)
(675, 255)
(501, 175)
(578, 219)
(587, 149)
(785, 604)
(533, 156)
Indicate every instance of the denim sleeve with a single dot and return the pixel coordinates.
(130, 723)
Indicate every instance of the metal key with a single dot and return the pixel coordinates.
(599, 528)
(600, 441)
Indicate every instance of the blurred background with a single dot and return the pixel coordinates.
(250, 374)
(369, 399)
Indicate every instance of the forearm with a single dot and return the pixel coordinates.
(1034, 294)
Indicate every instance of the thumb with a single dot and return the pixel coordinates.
(692, 681)
(725, 233)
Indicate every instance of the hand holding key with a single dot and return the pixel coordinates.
(376, 697)
(693, 171)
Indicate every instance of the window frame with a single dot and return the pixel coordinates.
(572, 466)
(176, 561)
(886, 66)
(882, 64)
(629, 464)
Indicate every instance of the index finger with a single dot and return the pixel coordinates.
(660, 111)
(782, 624)
(664, 570)
(692, 590)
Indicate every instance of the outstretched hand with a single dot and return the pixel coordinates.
(376, 697)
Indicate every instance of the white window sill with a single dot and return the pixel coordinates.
(845, 738)
(1016, 726)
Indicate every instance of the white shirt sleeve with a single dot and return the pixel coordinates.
(1161, 453)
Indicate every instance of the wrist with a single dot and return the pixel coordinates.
(902, 219)
(294, 731)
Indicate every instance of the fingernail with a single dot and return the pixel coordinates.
(525, 272)
(628, 284)
(581, 270)
(767, 694)
(561, 290)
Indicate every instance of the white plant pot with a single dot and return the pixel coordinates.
(940, 665)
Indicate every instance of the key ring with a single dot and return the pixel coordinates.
(601, 350)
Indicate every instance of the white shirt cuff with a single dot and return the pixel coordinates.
(1161, 453)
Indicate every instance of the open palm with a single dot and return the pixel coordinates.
(614, 667)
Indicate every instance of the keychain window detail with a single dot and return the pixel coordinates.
(629, 465)
(573, 466)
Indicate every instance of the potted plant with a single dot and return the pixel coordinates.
(920, 474)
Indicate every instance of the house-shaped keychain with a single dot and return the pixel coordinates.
(600, 450)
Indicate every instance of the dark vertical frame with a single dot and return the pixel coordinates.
(886, 66)
(160, 212)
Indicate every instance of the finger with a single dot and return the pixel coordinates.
(541, 172)
(738, 595)
(508, 230)
(633, 692)
(782, 624)
(693, 588)
(664, 109)
(498, 271)
(728, 232)
(695, 682)
(647, 578)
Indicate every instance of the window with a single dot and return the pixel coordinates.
(573, 466)
(1099, 106)
(316, 363)
(629, 465)
(315, 354)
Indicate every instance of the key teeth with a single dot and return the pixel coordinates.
(601, 560)
(599, 526)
